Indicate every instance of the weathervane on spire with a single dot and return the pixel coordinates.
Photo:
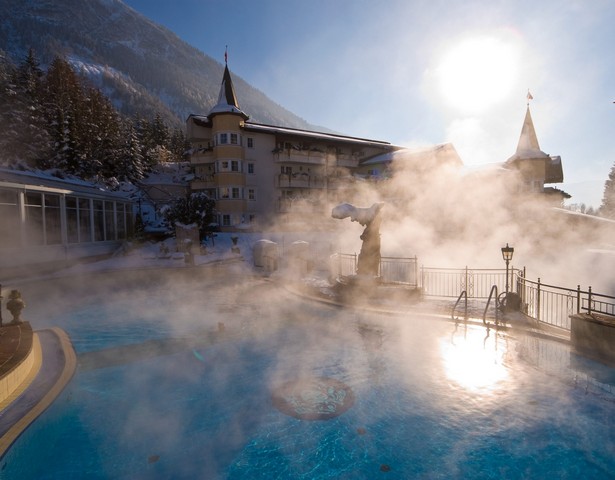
(529, 97)
(226, 55)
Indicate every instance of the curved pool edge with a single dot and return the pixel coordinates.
(41, 387)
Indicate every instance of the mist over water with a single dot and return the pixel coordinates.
(431, 397)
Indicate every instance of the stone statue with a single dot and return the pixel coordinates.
(369, 257)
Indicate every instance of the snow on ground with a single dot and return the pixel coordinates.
(165, 254)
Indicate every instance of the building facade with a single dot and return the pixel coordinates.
(262, 174)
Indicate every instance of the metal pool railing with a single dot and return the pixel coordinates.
(448, 282)
(549, 304)
(554, 305)
(395, 270)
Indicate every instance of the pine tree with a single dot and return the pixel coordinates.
(607, 209)
(103, 136)
(63, 102)
(130, 165)
(195, 207)
(7, 108)
(179, 145)
(160, 132)
(24, 139)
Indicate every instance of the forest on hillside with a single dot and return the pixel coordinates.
(56, 120)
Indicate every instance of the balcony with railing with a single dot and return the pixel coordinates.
(347, 160)
(301, 205)
(299, 180)
(234, 205)
(292, 155)
(201, 155)
(212, 180)
(203, 182)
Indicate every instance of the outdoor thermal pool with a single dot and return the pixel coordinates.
(295, 389)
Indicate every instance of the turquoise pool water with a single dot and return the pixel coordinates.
(430, 399)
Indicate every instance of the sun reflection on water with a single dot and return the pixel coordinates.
(474, 359)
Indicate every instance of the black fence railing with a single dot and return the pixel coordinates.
(554, 305)
(548, 304)
(392, 270)
(449, 282)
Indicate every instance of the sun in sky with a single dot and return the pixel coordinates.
(477, 73)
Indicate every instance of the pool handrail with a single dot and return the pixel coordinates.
(463, 294)
(494, 288)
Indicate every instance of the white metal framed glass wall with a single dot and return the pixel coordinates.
(50, 220)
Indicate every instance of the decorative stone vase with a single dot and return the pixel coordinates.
(235, 248)
(15, 305)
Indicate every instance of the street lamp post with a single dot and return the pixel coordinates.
(507, 255)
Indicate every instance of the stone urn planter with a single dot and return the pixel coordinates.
(15, 305)
(234, 247)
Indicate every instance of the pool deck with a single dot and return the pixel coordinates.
(34, 368)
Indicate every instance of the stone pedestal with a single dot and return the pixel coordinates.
(594, 336)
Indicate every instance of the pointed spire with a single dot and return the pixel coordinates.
(528, 141)
(227, 100)
(227, 91)
(528, 147)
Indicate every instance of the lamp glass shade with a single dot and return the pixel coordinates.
(507, 253)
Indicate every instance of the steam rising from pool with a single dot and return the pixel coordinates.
(417, 394)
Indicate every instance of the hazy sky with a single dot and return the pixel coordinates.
(415, 72)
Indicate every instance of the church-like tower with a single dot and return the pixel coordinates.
(535, 167)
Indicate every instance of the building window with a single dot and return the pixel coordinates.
(251, 168)
(84, 213)
(226, 220)
(120, 220)
(99, 221)
(235, 192)
(224, 192)
(250, 142)
(252, 218)
(9, 219)
(234, 166)
(224, 165)
(251, 194)
(72, 220)
(223, 138)
(234, 139)
(53, 226)
(34, 218)
(109, 221)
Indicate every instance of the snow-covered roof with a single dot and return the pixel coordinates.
(169, 173)
(584, 216)
(258, 127)
(39, 180)
(442, 151)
